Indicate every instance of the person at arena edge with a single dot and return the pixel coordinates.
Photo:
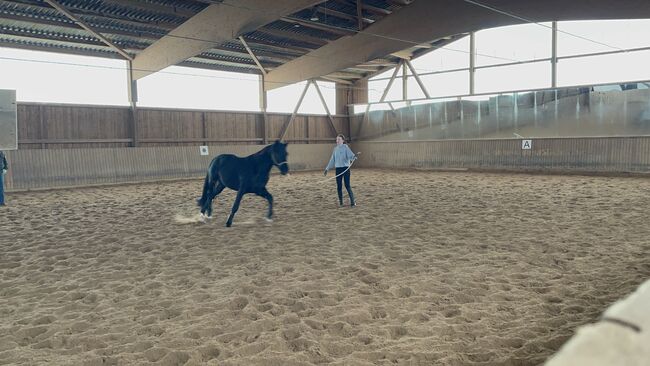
(342, 158)
(5, 166)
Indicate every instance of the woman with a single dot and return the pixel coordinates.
(3, 171)
(342, 158)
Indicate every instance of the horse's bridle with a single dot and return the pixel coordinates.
(275, 162)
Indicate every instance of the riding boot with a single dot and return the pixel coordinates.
(340, 198)
(352, 204)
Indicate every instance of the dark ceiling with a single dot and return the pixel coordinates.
(135, 25)
(327, 40)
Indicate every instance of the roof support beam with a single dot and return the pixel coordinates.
(85, 26)
(417, 78)
(215, 24)
(399, 31)
(336, 80)
(277, 47)
(250, 52)
(285, 128)
(366, 114)
(322, 100)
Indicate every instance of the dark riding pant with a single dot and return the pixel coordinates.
(2, 189)
(345, 177)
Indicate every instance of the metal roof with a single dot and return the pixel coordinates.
(135, 25)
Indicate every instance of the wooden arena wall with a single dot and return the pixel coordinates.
(59, 168)
(70, 145)
(563, 155)
(60, 126)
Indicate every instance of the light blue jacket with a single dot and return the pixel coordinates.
(342, 157)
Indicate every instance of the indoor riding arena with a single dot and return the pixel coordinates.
(502, 227)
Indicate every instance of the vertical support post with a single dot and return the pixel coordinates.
(359, 15)
(204, 130)
(554, 56)
(263, 106)
(358, 94)
(472, 63)
(285, 128)
(133, 101)
(42, 126)
(343, 98)
(262, 91)
(404, 82)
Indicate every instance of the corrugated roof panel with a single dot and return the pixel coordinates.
(134, 25)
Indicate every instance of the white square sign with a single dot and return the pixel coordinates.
(526, 144)
(204, 150)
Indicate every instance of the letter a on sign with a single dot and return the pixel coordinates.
(526, 144)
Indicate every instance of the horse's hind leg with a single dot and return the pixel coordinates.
(211, 195)
(235, 207)
(265, 194)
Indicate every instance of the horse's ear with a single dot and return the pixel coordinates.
(277, 142)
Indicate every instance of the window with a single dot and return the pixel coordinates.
(183, 87)
(57, 78)
(525, 42)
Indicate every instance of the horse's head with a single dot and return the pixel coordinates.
(279, 156)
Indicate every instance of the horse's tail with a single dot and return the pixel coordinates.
(206, 188)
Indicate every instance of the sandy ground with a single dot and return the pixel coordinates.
(432, 268)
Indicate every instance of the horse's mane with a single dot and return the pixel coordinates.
(262, 152)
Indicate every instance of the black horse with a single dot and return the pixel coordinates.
(244, 175)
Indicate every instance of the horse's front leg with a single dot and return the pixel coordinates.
(265, 194)
(235, 207)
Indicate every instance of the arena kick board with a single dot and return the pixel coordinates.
(8, 121)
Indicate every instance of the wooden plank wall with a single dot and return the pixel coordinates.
(52, 126)
(561, 155)
(62, 168)
(71, 126)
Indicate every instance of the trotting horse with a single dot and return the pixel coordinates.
(244, 175)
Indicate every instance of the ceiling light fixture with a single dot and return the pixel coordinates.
(314, 15)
